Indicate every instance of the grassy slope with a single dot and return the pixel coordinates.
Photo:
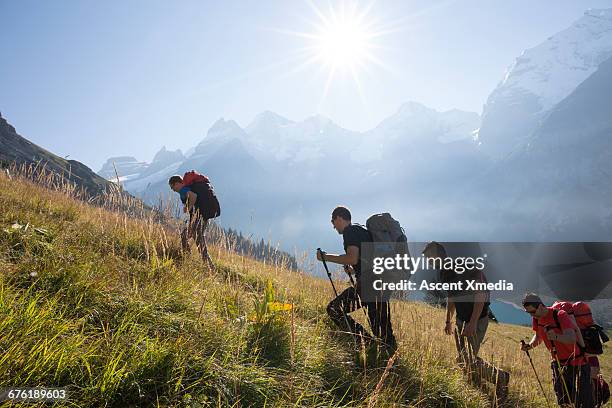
(104, 304)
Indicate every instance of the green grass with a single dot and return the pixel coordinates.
(105, 305)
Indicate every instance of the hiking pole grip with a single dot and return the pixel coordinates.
(319, 250)
(526, 351)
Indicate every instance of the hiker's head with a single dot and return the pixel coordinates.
(534, 305)
(434, 250)
(176, 183)
(341, 218)
(436, 254)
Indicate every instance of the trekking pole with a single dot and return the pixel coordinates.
(348, 326)
(559, 367)
(536, 375)
(327, 270)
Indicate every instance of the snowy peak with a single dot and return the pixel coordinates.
(605, 14)
(540, 78)
(126, 166)
(412, 108)
(168, 156)
(267, 120)
(221, 132)
(553, 69)
(417, 120)
(224, 129)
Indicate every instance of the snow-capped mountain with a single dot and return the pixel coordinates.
(165, 157)
(277, 139)
(416, 121)
(540, 78)
(126, 167)
(276, 166)
(569, 160)
(547, 126)
(135, 175)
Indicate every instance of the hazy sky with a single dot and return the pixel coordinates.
(97, 79)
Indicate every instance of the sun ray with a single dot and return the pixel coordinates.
(359, 88)
(330, 77)
(343, 40)
(318, 12)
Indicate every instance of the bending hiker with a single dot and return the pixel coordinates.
(571, 371)
(472, 320)
(200, 202)
(590, 337)
(379, 312)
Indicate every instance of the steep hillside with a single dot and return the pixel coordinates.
(106, 306)
(15, 149)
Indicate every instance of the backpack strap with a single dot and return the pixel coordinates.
(582, 349)
(556, 317)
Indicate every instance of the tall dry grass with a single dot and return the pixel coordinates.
(96, 295)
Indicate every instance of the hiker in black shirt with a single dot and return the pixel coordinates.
(471, 308)
(349, 300)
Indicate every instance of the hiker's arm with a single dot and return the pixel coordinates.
(579, 337)
(479, 301)
(535, 341)
(568, 336)
(350, 258)
(450, 311)
(470, 328)
(191, 199)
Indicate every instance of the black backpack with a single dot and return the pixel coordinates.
(594, 336)
(207, 203)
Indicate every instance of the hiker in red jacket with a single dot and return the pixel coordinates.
(200, 202)
(571, 371)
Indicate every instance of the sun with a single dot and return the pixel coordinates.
(344, 43)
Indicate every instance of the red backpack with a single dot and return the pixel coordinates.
(583, 315)
(207, 202)
(193, 176)
(592, 334)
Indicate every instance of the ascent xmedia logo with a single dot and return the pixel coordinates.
(562, 270)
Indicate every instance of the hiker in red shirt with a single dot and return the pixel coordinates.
(571, 371)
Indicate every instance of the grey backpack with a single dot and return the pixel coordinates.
(385, 229)
(389, 241)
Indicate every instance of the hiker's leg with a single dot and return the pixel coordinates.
(464, 357)
(185, 240)
(481, 331)
(570, 374)
(379, 314)
(201, 225)
(560, 374)
(340, 307)
(584, 394)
